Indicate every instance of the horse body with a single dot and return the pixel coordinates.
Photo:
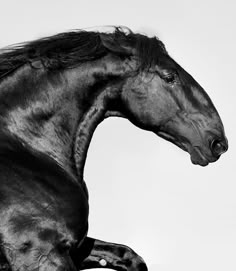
(57, 90)
(43, 213)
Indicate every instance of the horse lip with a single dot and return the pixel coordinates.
(202, 163)
(197, 157)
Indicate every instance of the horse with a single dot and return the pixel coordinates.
(54, 92)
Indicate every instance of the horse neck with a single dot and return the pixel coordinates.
(86, 127)
(108, 84)
(55, 113)
(41, 110)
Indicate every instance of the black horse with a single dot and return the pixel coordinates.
(53, 94)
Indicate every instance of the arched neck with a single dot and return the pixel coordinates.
(95, 115)
(60, 117)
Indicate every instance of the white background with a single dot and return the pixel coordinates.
(144, 191)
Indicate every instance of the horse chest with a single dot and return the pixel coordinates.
(40, 208)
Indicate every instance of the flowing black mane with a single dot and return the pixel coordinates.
(69, 49)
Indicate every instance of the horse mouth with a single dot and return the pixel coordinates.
(198, 158)
(196, 154)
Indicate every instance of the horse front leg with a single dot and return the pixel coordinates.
(95, 253)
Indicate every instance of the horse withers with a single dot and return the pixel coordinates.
(53, 94)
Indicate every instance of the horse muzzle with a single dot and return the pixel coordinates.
(204, 156)
(200, 158)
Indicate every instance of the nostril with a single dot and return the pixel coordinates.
(218, 147)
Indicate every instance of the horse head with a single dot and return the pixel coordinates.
(160, 96)
(166, 100)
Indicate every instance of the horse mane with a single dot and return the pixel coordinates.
(70, 49)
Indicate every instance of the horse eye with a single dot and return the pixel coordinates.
(169, 78)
